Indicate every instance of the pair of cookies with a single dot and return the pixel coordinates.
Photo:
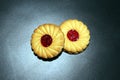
(48, 40)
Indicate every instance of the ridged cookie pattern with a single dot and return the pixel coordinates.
(84, 36)
(57, 41)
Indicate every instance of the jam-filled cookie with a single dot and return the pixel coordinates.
(47, 41)
(76, 36)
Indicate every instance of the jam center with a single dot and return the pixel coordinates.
(73, 35)
(46, 40)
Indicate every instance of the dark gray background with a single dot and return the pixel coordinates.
(100, 61)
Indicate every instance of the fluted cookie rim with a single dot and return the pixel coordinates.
(80, 22)
(60, 46)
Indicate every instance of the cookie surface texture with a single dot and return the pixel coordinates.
(76, 36)
(47, 41)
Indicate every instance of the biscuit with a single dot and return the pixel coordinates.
(47, 41)
(76, 36)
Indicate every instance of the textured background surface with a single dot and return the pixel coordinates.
(100, 61)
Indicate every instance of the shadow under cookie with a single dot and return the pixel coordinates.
(73, 53)
(48, 59)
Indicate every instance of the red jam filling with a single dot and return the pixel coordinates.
(73, 35)
(46, 40)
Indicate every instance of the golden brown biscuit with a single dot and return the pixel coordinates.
(76, 36)
(47, 41)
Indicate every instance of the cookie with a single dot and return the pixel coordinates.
(76, 36)
(47, 41)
